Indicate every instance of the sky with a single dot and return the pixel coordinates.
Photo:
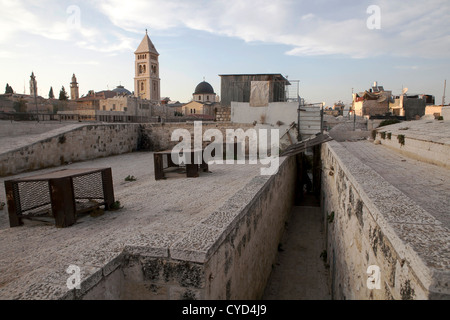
(333, 48)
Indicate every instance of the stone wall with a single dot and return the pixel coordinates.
(416, 145)
(159, 134)
(82, 143)
(414, 108)
(223, 113)
(371, 223)
(228, 255)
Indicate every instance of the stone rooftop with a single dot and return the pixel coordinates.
(425, 129)
(155, 215)
(426, 185)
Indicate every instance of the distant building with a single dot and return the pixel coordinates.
(238, 87)
(204, 92)
(372, 102)
(410, 106)
(128, 104)
(196, 107)
(121, 91)
(74, 91)
(33, 85)
(379, 102)
(146, 80)
(203, 104)
(92, 100)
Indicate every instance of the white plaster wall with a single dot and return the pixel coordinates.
(286, 112)
(445, 112)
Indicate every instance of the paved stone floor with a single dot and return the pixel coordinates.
(425, 184)
(299, 273)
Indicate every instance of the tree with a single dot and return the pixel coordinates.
(50, 94)
(20, 106)
(9, 89)
(63, 95)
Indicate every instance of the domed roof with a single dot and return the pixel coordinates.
(204, 87)
(121, 90)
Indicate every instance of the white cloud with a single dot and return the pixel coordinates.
(407, 67)
(18, 18)
(415, 28)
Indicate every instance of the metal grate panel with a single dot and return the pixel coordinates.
(34, 197)
(88, 187)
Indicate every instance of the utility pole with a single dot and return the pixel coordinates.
(443, 97)
(354, 113)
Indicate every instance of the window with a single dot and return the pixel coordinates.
(144, 69)
(142, 86)
(199, 97)
(207, 98)
(140, 68)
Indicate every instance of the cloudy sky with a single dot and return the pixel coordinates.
(332, 47)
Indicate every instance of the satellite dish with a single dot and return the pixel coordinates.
(405, 90)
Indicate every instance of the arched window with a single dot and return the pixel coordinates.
(199, 97)
(207, 98)
(144, 69)
(142, 86)
(140, 68)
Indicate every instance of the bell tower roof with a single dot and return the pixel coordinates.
(146, 46)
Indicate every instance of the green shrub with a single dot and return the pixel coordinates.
(401, 139)
(374, 134)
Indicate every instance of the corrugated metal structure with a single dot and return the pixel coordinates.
(237, 87)
(310, 120)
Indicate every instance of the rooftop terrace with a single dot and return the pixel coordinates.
(155, 215)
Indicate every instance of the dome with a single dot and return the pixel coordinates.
(204, 87)
(121, 90)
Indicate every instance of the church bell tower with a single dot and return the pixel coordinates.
(74, 94)
(146, 80)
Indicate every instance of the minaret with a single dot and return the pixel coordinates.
(33, 85)
(146, 80)
(74, 95)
